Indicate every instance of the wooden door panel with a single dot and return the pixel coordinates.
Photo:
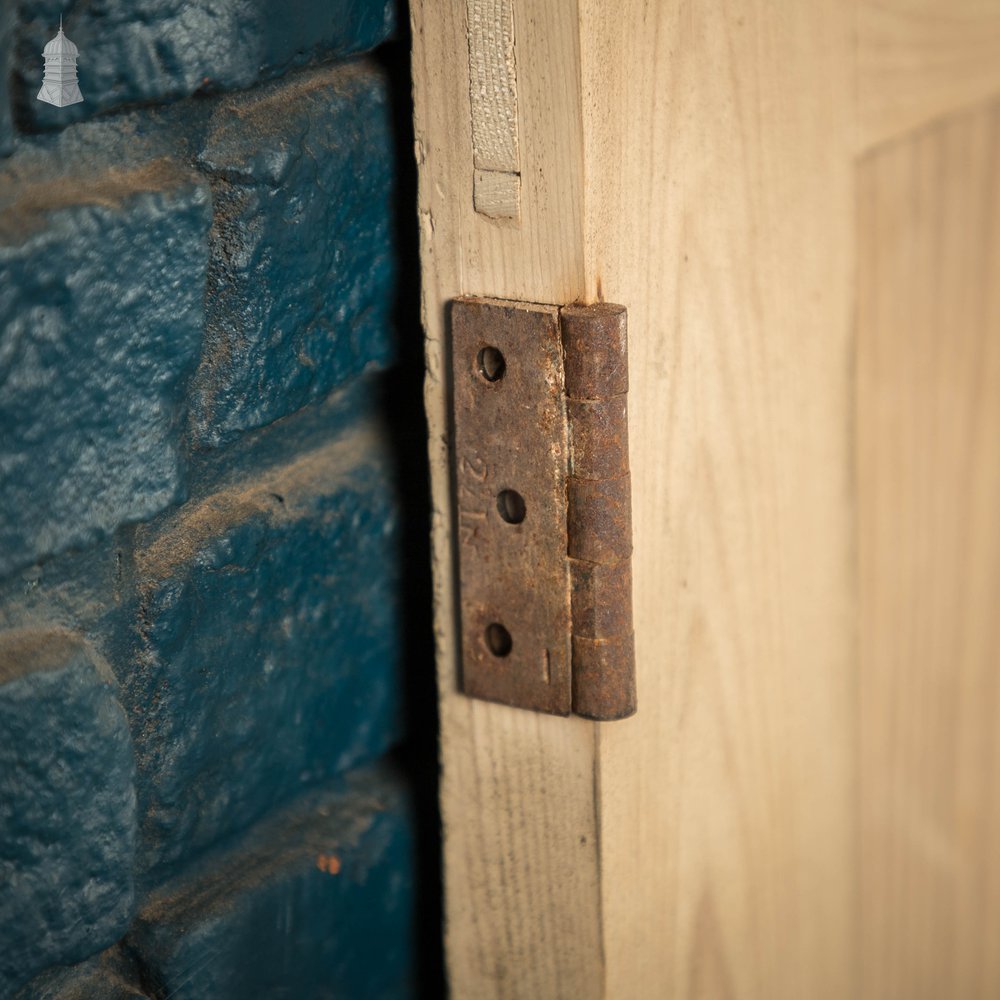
(806, 803)
(721, 193)
(919, 60)
(928, 420)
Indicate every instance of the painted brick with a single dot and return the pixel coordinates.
(268, 648)
(316, 903)
(100, 328)
(301, 282)
(301, 278)
(107, 976)
(67, 805)
(153, 51)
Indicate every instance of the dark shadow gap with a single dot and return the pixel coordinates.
(404, 409)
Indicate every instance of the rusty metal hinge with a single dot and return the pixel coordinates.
(543, 505)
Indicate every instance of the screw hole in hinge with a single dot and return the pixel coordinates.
(498, 640)
(510, 505)
(492, 364)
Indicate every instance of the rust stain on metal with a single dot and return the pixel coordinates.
(510, 461)
(599, 515)
(543, 506)
(596, 345)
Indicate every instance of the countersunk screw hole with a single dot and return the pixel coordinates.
(510, 504)
(492, 364)
(498, 640)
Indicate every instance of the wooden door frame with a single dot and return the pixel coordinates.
(696, 163)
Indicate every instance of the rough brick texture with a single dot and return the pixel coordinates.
(201, 611)
(299, 293)
(298, 896)
(108, 976)
(100, 327)
(141, 51)
(67, 805)
(301, 277)
(268, 643)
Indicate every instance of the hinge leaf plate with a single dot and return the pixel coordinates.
(510, 468)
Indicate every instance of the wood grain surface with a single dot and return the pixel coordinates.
(806, 803)
(928, 417)
(719, 207)
(518, 796)
(919, 60)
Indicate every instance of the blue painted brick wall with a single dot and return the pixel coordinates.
(203, 634)
(267, 637)
(154, 51)
(296, 893)
(101, 323)
(67, 804)
(109, 975)
(298, 195)
(298, 896)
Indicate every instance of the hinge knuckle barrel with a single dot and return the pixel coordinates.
(601, 598)
(599, 428)
(599, 510)
(595, 347)
(604, 677)
(600, 519)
